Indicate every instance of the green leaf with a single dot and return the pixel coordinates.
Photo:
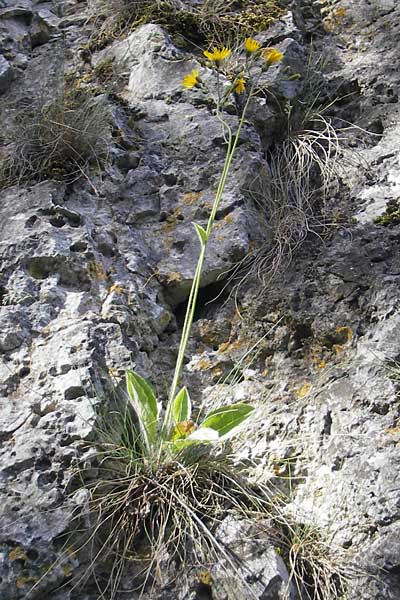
(201, 232)
(226, 418)
(144, 402)
(182, 407)
(202, 435)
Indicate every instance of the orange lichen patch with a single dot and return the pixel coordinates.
(217, 371)
(303, 390)
(204, 364)
(225, 221)
(205, 578)
(332, 21)
(174, 277)
(230, 346)
(24, 581)
(346, 331)
(224, 346)
(96, 271)
(189, 198)
(17, 553)
(116, 289)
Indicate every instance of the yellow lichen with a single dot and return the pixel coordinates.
(347, 331)
(116, 289)
(17, 553)
(189, 198)
(225, 221)
(96, 271)
(205, 578)
(346, 335)
(303, 390)
(174, 276)
(231, 346)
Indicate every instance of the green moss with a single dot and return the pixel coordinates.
(391, 216)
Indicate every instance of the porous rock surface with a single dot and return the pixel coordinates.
(94, 273)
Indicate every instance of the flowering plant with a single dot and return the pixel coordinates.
(177, 430)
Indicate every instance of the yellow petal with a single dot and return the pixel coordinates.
(251, 45)
(272, 55)
(239, 87)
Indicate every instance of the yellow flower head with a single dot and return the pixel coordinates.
(272, 55)
(239, 85)
(251, 45)
(216, 55)
(191, 80)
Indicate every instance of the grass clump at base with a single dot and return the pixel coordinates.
(212, 21)
(153, 516)
(56, 139)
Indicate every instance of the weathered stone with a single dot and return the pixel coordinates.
(45, 23)
(22, 8)
(94, 276)
(5, 74)
(269, 579)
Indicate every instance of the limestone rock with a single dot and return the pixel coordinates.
(5, 74)
(44, 25)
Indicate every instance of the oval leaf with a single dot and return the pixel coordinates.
(201, 232)
(182, 407)
(203, 434)
(226, 418)
(145, 404)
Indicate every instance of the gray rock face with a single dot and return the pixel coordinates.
(44, 24)
(94, 273)
(5, 74)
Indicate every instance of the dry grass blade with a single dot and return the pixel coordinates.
(289, 199)
(56, 140)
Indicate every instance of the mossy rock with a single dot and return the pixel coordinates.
(212, 22)
(391, 216)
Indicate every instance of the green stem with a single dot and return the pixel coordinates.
(192, 301)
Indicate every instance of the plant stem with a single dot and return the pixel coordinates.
(192, 301)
